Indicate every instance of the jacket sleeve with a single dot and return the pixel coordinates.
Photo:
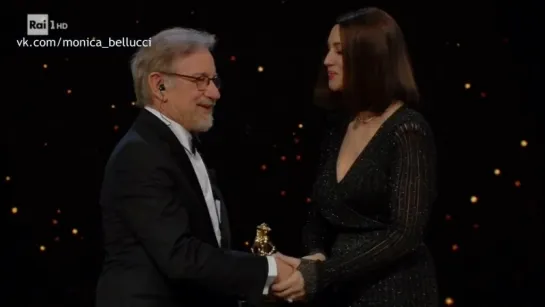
(145, 199)
(412, 191)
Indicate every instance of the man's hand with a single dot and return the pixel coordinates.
(285, 269)
(293, 287)
(315, 257)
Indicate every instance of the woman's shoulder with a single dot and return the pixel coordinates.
(409, 120)
(335, 124)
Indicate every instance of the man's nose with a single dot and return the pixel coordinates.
(213, 91)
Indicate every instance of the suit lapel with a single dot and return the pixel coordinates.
(149, 121)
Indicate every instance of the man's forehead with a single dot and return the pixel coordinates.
(200, 62)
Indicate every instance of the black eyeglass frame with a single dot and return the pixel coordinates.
(202, 82)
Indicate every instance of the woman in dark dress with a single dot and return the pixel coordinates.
(377, 179)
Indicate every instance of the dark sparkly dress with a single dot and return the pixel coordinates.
(371, 223)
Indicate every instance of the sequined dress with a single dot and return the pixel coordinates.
(371, 223)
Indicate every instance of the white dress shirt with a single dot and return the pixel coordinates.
(214, 205)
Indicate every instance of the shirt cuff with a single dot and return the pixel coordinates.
(273, 272)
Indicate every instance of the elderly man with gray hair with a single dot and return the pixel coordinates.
(166, 229)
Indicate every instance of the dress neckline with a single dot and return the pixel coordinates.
(381, 129)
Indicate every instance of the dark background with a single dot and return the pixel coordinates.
(56, 142)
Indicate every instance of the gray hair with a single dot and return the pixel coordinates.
(165, 47)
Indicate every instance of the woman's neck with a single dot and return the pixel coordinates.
(365, 117)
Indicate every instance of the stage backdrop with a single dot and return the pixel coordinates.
(67, 101)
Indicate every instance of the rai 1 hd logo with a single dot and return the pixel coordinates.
(40, 24)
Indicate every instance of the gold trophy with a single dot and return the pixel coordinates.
(262, 244)
(264, 247)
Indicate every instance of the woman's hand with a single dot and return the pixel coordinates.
(292, 288)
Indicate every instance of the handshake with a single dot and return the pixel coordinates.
(290, 283)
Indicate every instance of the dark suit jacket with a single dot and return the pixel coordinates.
(158, 236)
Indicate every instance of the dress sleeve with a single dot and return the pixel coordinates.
(412, 188)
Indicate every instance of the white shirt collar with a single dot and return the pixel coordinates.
(180, 132)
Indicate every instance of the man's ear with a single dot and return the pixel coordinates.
(155, 83)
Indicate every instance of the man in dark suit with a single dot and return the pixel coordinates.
(165, 226)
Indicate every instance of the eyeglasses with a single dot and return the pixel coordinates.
(202, 82)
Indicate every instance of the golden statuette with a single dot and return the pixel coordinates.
(262, 243)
